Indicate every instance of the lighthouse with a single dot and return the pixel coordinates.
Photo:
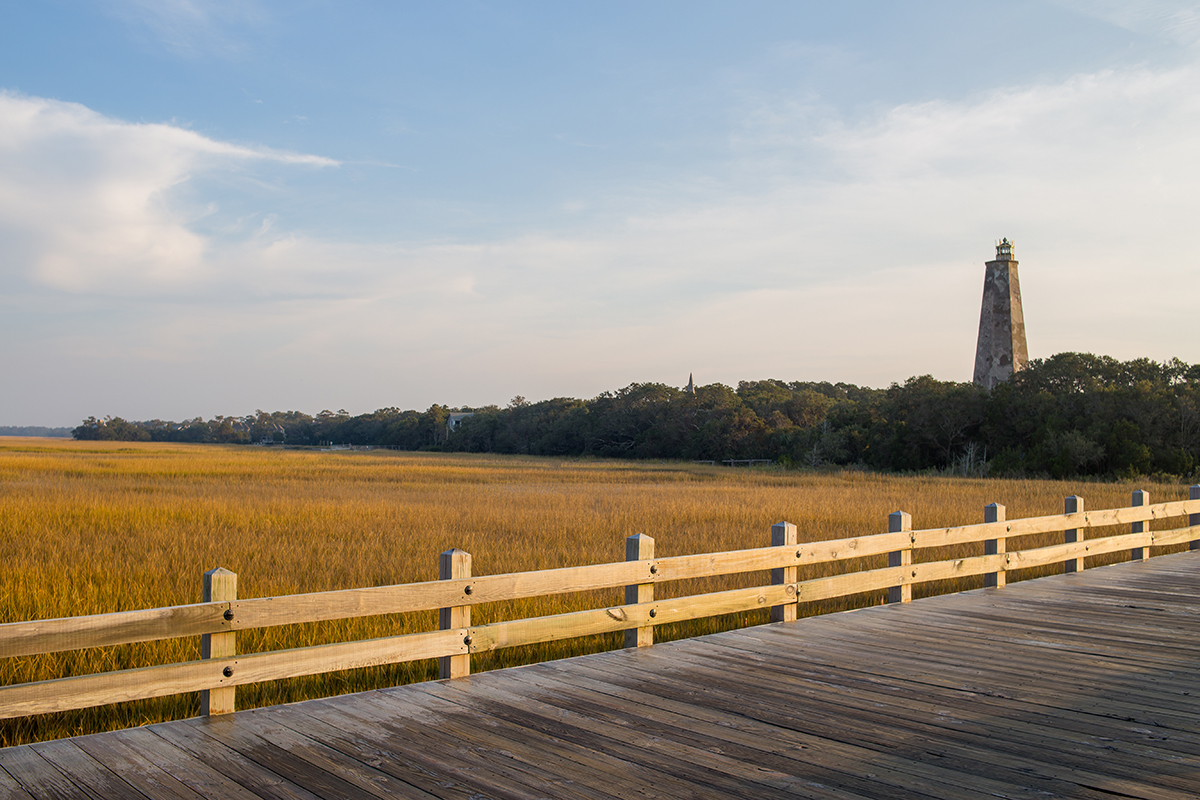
(1001, 349)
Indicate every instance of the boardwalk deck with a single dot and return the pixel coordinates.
(1084, 685)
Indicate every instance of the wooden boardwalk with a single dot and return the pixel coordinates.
(1084, 685)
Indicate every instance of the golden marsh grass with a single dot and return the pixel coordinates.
(95, 527)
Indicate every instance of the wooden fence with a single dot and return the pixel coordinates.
(222, 613)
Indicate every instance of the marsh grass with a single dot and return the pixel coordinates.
(93, 527)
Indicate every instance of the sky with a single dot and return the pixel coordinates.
(216, 207)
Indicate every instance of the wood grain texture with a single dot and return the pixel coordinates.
(640, 547)
(223, 614)
(899, 560)
(102, 630)
(114, 687)
(220, 585)
(783, 534)
(1078, 685)
(45, 636)
(454, 564)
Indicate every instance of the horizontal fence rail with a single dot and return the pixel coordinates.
(218, 619)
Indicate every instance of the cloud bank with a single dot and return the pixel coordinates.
(843, 252)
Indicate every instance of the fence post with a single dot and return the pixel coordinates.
(1073, 505)
(1194, 519)
(639, 547)
(454, 564)
(220, 585)
(900, 521)
(1140, 498)
(783, 533)
(994, 512)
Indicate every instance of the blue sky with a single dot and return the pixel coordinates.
(208, 208)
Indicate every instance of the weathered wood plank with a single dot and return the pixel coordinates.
(639, 547)
(899, 576)
(1096, 642)
(827, 768)
(1057, 728)
(937, 780)
(10, 789)
(93, 778)
(605, 620)
(420, 755)
(901, 560)
(102, 630)
(323, 759)
(239, 738)
(197, 775)
(592, 773)
(43, 636)
(36, 776)
(1079, 685)
(966, 534)
(768, 699)
(850, 675)
(484, 769)
(846, 761)
(912, 661)
(62, 694)
(148, 778)
(707, 769)
(791, 750)
(188, 737)
(219, 585)
(994, 512)
(839, 763)
(370, 747)
(454, 564)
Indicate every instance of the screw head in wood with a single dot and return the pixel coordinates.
(228, 614)
(914, 573)
(468, 590)
(653, 569)
(467, 641)
(227, 672)
(654, 612)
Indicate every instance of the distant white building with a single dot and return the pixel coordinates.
(454, 420)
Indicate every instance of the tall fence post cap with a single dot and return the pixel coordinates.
(452, 551)
(899, 521)
(219, 571)
(994, 505)
(1140, 497)
(639, 536)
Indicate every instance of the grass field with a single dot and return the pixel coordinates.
(93, 527)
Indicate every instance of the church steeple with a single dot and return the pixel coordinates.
(691, 387)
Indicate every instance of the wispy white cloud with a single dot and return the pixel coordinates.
(90, 203)
(191, 27)
(1171, 19)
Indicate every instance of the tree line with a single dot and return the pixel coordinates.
(1068, 415)
(35, 430)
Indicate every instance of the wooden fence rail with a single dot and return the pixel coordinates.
(222, 614)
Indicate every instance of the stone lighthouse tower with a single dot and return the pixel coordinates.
(1001, 350)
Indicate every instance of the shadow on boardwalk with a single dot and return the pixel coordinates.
(1084, 686)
